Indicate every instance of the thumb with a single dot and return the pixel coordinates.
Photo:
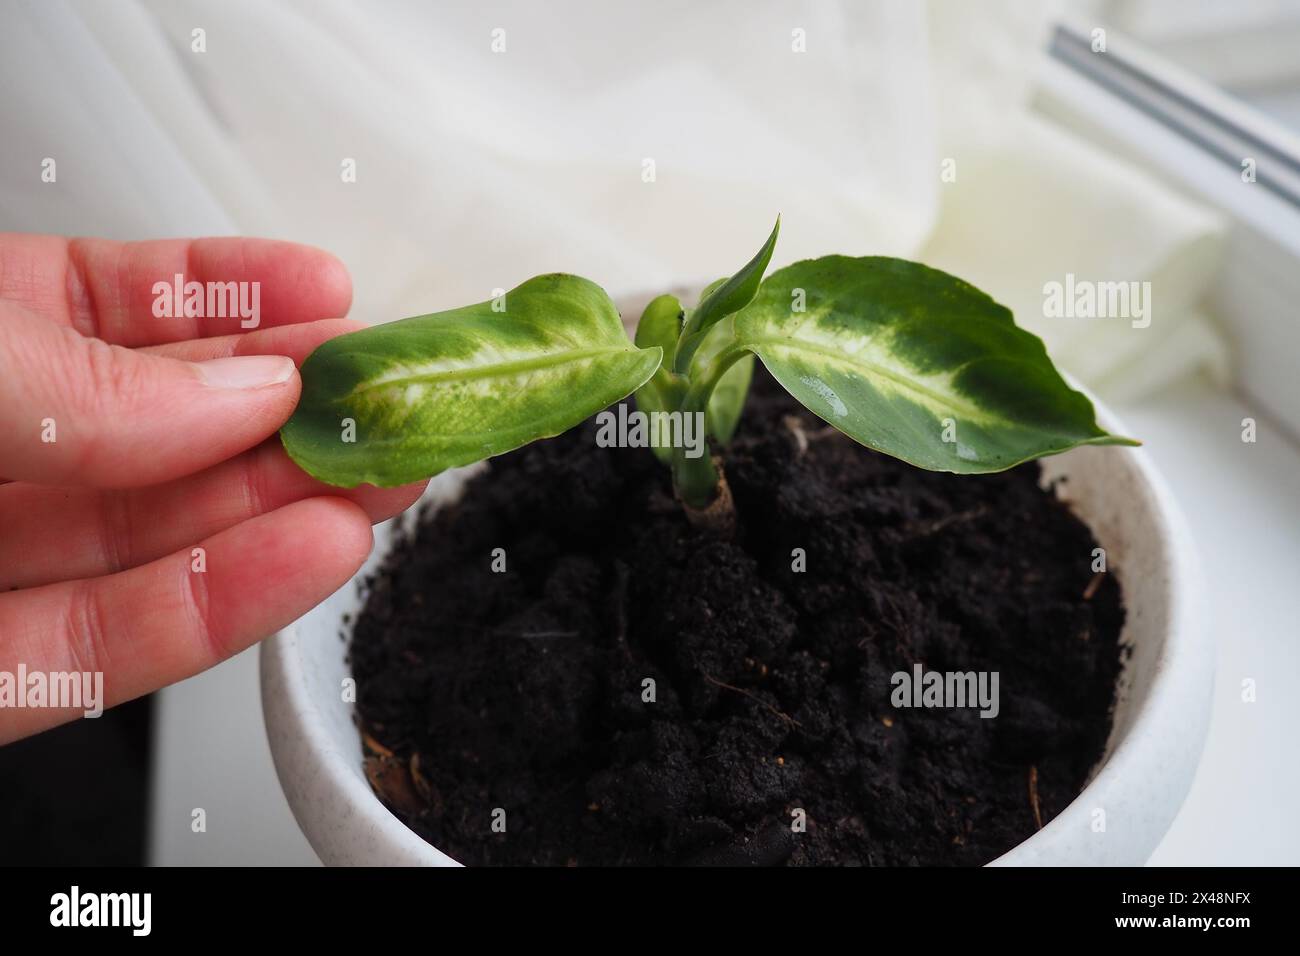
(75, 410)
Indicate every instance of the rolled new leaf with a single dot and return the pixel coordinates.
(660, 325)
(403, 401)
(915, 363)
(721, 299)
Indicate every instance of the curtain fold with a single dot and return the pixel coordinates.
(643, 146)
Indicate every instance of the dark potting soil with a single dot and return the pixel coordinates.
(524, 690)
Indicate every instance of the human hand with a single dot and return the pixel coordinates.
(151, 525)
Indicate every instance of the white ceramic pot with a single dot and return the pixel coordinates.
(1160, 725)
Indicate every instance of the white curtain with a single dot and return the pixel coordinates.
(641, 145)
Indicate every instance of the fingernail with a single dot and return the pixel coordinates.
(245, 371)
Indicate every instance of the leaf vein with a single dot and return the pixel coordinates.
(857, 363)
(502, 369)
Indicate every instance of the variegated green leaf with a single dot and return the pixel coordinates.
(915, 363)
(432, 392)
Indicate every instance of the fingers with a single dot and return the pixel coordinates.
(57, 534)
(295, 341)
(165, 621)
(74, 410)
(126, 293)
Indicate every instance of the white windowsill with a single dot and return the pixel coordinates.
(1241, 504)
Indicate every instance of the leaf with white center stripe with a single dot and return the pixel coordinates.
(915, 363)
(399, 402)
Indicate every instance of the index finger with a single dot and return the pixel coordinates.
(169, 290)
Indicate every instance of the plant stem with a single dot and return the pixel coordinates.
(696, 479)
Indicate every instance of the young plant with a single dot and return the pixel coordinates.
(903, 358)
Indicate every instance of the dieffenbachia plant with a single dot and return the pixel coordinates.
(903, 358)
